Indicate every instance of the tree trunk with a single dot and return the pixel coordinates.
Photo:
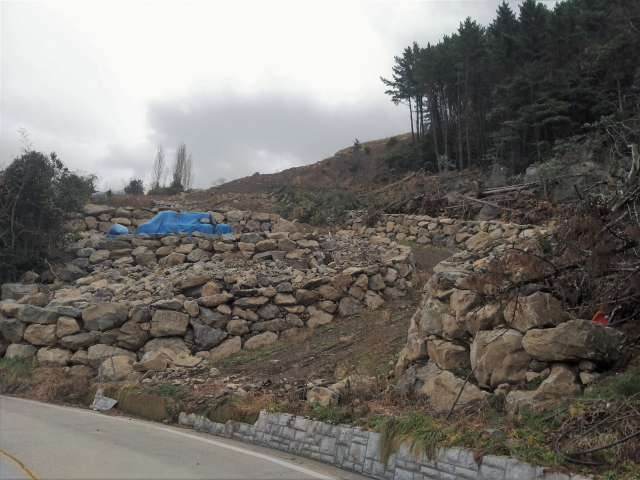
(411, 117)
(460, 152)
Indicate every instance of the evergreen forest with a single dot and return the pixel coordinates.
(515, 91)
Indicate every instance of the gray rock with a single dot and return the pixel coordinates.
(349, 306)
(284, 287)
(170, 304)
(69, 311)
(251, 238)
(141, 314)
(101, 351)
(15, 291)
(499, 175)
(574, 341)
(414, 378)
(276, 325)
(174, 343)
(268, 311)
(146, 259)
(13, 329)
(207, 337)
(104, 316)
(238, 327)
(376, 282)
(22, 350)
(132, 336)
(488, 212)
(80, 341)
(212, 318)
(531, 175)
(85, 252)
(294, 320)
(43, 316)
(167, 323)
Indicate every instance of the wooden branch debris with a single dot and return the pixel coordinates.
(383, 189)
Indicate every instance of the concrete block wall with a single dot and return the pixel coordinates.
(357, 450)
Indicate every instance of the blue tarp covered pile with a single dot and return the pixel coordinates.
(171, 222)
(115, 230)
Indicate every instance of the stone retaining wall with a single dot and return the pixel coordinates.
(358, 450)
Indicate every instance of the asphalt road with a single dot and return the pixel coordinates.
(43, 441)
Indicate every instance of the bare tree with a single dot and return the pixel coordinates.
(182, 168)
(158, 173)
(24, 139)
(187, 178)
(219, 181)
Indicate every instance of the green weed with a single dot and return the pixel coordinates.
(14, 368)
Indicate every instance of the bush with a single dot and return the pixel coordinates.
(135, 187)
(39, 197)
(392, 142)
(314, 206)
(170, 190)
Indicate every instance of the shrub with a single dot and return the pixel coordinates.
(135, 187)
(392, 142)
(38, 198)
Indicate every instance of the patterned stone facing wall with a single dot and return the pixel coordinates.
(358, 450)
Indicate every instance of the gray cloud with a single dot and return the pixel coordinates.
(234, 135)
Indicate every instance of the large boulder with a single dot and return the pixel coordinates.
(574, 341)
(561, 384)
(104, 316)
(432, 315)
(156, 361)
(56, 356)
(37, 334)
(140, 314)
(43, 316)
(323, 396)
(226, 349)
(448, 354)
(80, 341)
(535, 311)
(237, 327)
(487, 317)
(414, 378)
(276, 325)
(499, 357)
(20, 350)
(99, 352)
(349, 306)
(318, 317)
(261, 340)
(12, 329)
(132, 336)
(167, 323)
(16, 291)
(123, 366)
(175, 344)
(67, 326)
(206, 337)
(463, 301)
(95, 210)
(443, 390)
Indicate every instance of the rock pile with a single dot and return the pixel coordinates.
(440, 232)
(151, 301)
(509, 343)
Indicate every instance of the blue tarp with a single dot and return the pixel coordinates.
(190, 222)
(222, 228)
(115, 230)
(170, 222)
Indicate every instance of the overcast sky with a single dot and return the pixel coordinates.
(248, 86)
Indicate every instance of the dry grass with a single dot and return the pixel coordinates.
(51, 384)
